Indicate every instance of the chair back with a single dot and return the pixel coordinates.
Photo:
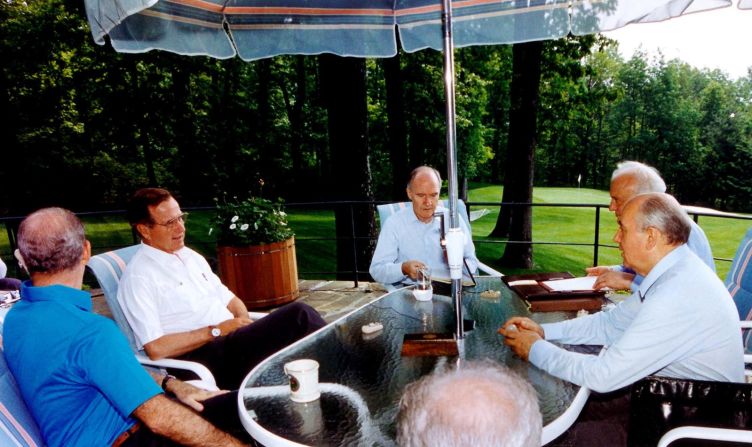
(739, 283)
(389, 209)
(108, 268)
(17, 426)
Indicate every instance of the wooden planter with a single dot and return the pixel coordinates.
(261, 275)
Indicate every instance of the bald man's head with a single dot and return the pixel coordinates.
(51, 240)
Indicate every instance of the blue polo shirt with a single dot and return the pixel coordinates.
(75, 369)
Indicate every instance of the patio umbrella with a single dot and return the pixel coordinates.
(255, 29)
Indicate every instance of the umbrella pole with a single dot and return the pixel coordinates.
(451, 142)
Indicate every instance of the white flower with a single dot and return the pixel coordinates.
(255, 225)
(234, 219)
(210, 230)
(243, 227)
(233, 226)
(282, 213)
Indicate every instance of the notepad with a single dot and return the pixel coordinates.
(570, 284)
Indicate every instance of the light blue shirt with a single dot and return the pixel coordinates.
(403, 238)
(686, 326)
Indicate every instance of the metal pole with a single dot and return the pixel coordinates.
(596, 242)
(451, 142)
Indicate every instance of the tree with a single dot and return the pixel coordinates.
(344, 86)
(516, 222)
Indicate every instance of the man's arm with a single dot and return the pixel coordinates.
(185, 392)
(173, 421)
(237, 308)
(179, 343)
(385, 267)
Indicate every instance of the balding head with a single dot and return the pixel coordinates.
(630, 179)
(477, 404)
(650, 227)
(51, 240)
(662, 211)
(423, 189)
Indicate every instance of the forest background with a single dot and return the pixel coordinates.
(86, 126)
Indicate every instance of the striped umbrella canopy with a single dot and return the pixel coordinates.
(255, 29)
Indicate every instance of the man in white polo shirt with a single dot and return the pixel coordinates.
(179, 308)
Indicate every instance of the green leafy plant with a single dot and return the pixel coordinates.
(252, 221)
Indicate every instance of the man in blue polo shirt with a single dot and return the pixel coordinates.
(74, 368)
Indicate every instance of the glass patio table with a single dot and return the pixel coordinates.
(361, 377)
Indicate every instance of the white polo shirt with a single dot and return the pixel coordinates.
(165, 293)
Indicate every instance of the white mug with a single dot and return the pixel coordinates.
(304, 380)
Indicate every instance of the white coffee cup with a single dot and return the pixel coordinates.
(304, 380)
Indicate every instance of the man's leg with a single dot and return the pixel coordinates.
(10, 284)
(231, 357)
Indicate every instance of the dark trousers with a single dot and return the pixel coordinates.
(603, 422)
(230, 358)
(222, 411)
(10, 284)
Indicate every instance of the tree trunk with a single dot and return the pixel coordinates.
(518, 180)
(395, 110)
(344, 88)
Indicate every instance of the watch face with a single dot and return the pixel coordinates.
(216, 332)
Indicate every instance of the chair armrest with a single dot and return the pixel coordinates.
(489, 270)
(197, 368)
(559, 425)
(707, 433)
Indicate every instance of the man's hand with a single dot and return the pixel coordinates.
(526, 324)
(233, 324)
(519, 339)
(191, 395)
(410, 268)
(597, 270)
(614, 280)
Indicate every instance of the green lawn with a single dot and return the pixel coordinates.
(559, 224)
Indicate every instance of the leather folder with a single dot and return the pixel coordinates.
(541, 299)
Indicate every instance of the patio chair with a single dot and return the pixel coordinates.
(17, 425)
(388, 209)
(108, 268)
(739, 285)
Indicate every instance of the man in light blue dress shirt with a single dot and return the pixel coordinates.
(680, 323)
(628, 180)
(411, 239)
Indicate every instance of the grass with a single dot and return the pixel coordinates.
(314, 230)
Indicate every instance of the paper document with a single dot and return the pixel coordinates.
(566, 285)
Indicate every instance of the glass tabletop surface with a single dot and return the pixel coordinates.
(362, 376)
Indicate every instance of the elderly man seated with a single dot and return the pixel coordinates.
(410, 240)
(680, 323)
(629, 179)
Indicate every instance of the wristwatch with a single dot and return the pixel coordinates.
(166, 379)
(215, 331)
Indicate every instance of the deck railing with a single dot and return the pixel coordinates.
(206, 243)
